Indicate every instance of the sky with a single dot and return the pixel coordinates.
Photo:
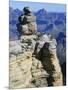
(35, 6)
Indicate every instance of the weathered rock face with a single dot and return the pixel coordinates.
(39, 75)
(34, 65)
(47, 55)
(15, 47)
(20, 70)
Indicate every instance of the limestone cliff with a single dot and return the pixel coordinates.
(34, 62)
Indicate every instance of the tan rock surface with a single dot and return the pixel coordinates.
(34, 70)
(20, 74)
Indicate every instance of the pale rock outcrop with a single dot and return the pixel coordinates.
(39, 75)
(20, 70)
(28, 42)
(48, 56)
(34, 65)
(15, 47)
